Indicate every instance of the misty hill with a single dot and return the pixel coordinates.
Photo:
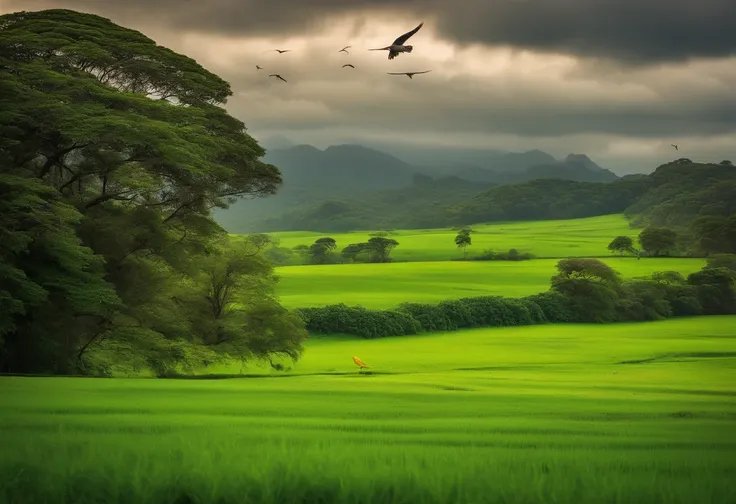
(311, 175)
(682, 191)
(511, 168)
(346, 172)
(674, 194)
(436, 158)
(420, 205)
(340, 166)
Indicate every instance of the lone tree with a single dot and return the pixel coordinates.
(134, 143)
(622, 244)
(657, 241)
(462, 240)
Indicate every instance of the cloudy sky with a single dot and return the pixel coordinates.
(619, 80)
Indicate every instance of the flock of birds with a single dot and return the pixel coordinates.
(397, 47)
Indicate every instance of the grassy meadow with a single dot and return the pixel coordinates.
(562, 238)
(619, 413)
(387, 285)
(630, 413)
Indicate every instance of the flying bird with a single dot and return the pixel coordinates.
(360, 363)
(408, 74)
(348, 65)
(278, 77)
(675, 146)
(344, 49)
(259, 68)
(398, 45)
(282, 51)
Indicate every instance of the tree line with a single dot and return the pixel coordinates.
(377, 249)
(705, 236)
(113, 153)
(583, 290)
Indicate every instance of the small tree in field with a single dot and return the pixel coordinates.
(621, 244)
(462, 240)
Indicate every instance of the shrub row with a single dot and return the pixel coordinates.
(639, 300)
(511, 255)
(415, 318)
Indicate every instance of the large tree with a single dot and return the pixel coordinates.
(134, 137)
(320, 252)
(657, 241)
(591, 285)
(622, 244)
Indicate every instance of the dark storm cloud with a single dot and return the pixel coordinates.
(320, 94)
(631, 31)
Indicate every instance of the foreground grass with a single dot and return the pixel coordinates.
(562, 238)
(387, 285)
(512, 415)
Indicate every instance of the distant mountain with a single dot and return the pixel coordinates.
(585, 160)
(341, 174)
(673, 195)
(419, 205)
(340, 166)
(437, 159)
(519, 161)
(577, 167)
(311, 175)
(569, 169)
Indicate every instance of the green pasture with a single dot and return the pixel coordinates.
(387, 285)
(511, 415)
(561, 238)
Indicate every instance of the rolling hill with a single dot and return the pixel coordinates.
(353, 185)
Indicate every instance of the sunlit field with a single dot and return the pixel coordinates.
(562, 238)
(635, 413)
(387, 285)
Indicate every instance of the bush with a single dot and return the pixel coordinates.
(511, 255)
(643, 300)
(413, 318)
(343, 319)
(554, 306)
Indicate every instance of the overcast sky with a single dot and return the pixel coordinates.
(619, 80)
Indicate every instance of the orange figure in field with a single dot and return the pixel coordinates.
(360, 363)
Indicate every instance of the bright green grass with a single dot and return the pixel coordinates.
(512, 415)
(386, 285)
(561, 238)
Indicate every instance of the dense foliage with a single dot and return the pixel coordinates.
(584, 290)
(113, 152)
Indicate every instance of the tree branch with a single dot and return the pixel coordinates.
(52, 160)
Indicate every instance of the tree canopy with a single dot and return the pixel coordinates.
(115, 151)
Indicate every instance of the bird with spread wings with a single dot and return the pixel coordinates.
(397, 47)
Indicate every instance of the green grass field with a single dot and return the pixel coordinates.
(512, 415)
(565, 238)
(386, 285)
